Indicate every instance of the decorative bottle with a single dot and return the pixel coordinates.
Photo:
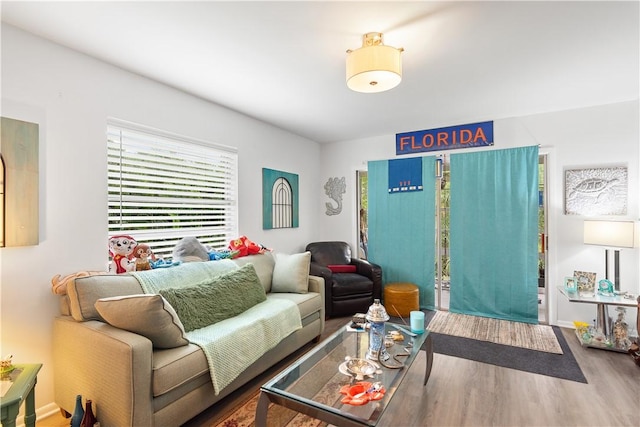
(621, 331)
(89, 419)
(78, 413)
(376, 316)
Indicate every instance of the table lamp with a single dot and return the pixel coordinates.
(612, 235)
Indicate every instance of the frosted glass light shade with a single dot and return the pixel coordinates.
(374, 67)
(615, 234)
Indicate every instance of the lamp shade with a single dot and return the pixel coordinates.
(374, 67)
(615, 234)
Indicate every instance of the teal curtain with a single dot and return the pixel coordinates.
(402, 230)
(494, 234)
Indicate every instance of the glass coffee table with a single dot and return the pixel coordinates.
(312, 384)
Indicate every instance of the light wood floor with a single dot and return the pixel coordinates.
(461, 392)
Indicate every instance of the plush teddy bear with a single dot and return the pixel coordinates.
(142, 253)
(121, 249)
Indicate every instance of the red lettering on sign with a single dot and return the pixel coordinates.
(424, 140)
(465, 136)
(442, 138)
(413, 143)
(480, 134)
(403, 141)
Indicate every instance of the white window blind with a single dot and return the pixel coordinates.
(164, 187)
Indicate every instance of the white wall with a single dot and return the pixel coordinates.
(605, 135)
(71, 95)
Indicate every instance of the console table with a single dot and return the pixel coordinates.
(603, 323)
(23, 378)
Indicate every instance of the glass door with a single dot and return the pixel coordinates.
(362, 205)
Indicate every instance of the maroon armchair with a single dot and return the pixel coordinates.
(351, 284)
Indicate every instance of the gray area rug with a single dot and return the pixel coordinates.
(562, 366)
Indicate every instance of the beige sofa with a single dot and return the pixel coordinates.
(133, 383)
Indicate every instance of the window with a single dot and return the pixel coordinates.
(163, 187)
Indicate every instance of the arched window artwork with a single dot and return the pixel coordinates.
(280, 199)
(282, 204)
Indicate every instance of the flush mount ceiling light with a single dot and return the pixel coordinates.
(374, 67)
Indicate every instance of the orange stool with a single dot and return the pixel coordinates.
(400, 299)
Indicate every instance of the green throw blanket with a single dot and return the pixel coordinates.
(233, 344)
(187, 274)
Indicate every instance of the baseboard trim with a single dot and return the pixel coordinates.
(48, 410)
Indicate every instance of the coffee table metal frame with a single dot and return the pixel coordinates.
(278, 390)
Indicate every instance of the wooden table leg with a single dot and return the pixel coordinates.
(261, 410)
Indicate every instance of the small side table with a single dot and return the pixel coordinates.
(24, 378)
(603, 323)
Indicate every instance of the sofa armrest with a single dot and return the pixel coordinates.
(110, 366)
(316, 284)
(324, 272)
(373, 272)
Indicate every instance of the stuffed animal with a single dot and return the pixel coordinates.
(59, 284)
(121, 248)
(189, 249)
(245, 247)
(215, 255)
(142, 253)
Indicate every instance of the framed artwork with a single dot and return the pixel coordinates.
(596, 191)
(585, 282)
(280, 199)
(570, 284)
(19, 214)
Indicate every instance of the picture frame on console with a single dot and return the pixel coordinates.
(570, 284)
(585, 282)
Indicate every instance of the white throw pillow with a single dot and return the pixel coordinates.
(147, 315)
(291, 273)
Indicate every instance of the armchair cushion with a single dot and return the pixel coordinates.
(348, 284)
(349, 268)
(330, 253)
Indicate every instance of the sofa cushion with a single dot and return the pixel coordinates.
(263, 263)
(217, 299)
(307, 303)
(175, 367)
(291, 273)
(85, 291)
(147, 315)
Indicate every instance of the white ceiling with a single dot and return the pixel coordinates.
(284, 62)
